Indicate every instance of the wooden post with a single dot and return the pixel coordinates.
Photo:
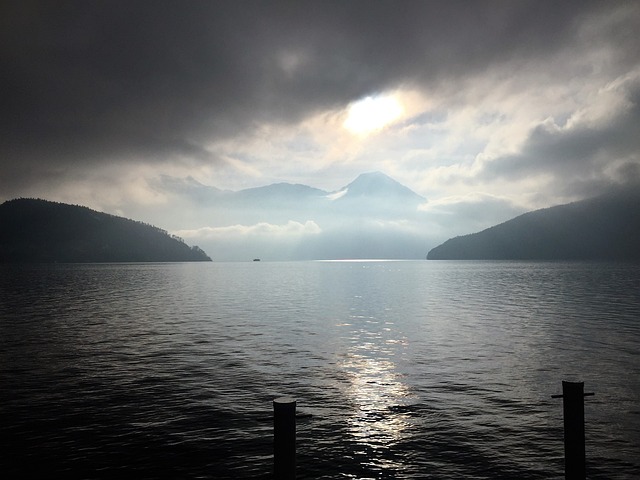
(284, 438)
(573, 412)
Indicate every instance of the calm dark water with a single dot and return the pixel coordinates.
(409, 370)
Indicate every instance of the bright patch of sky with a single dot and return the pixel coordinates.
(372, 113)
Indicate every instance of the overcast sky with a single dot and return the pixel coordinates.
(525, 103)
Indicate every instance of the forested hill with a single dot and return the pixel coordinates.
(42, 231)
(602, 228)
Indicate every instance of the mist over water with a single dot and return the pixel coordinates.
(407, 369)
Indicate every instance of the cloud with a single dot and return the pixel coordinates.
(88, 83)
(596, 144)
(463, 214)
(264, 240)
(262, 229)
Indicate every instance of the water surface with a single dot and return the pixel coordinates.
(408, 369)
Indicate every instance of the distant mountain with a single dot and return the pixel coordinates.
(377, 185)
(278, 193)
(374, 216)
(42, 231)
(374, 195)
(370, 195)
(367, 186)
(601, 228)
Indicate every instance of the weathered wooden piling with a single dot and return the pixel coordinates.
(574, 439)
(284, 438)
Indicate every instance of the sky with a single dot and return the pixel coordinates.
(484, 108)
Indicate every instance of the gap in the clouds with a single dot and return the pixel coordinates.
(372, 113)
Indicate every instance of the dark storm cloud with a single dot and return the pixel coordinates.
(89, 82)
(585, 158)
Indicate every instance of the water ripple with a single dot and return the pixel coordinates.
(404, 370)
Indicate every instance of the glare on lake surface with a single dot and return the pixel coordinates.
(402, 369)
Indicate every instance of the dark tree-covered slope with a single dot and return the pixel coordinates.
(42, 231)
(602, 228)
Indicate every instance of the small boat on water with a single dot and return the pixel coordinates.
(256, 259)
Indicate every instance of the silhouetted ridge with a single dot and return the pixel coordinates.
(42, 231)
(602, 228)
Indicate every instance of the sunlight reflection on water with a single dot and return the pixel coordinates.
(376, 389)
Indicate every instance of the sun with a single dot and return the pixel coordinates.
(372, 113)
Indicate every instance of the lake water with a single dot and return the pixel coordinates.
(411, 370)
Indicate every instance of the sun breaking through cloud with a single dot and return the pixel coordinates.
(372, 113)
